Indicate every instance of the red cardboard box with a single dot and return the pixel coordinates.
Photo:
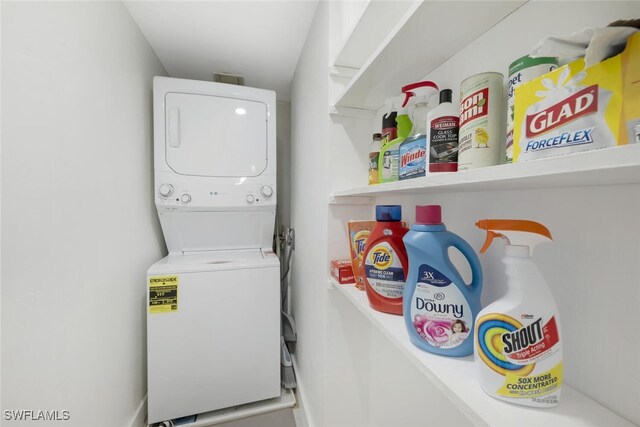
(341, 271)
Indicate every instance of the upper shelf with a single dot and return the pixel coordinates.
(615, 165)
(375, 22)
(456, 378)
(414, 47)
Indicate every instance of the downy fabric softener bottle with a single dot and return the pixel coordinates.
(439, 307)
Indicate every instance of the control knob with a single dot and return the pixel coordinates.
(250, 198)
(186, 198)
(166, 190)
(266, 191)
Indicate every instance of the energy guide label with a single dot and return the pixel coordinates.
(163, 294)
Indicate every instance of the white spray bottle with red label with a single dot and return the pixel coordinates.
(517, 337)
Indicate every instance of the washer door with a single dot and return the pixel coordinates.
(214, 136)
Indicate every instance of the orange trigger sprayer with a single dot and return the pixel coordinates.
(516, 232)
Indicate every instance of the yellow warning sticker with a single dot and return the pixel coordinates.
(163, 294)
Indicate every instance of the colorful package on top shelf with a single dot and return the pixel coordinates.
(577, 109)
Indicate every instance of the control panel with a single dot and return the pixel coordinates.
(202, 195)
(264, 194)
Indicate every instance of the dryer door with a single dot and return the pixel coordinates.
(213, 136)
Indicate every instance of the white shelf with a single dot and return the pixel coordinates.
(287, 399)
(615, 165)
(415, 47)
(377, 20)
(456, 378)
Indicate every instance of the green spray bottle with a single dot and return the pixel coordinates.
(390, 151)
(388, 161)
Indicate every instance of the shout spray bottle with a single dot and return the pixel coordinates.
(517, 339)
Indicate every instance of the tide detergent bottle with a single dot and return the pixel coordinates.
(439, 307)
(386, 260)
(519, 352)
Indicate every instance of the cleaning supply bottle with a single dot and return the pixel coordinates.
(389, 124)
(442, 135)
(386, 260)
(417, 97)
(518, 336)
(374, 153)
(439, 307)
(390, 151)
(413, 150)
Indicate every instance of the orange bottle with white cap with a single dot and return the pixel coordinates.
(517, 337)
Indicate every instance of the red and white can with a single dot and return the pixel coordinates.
(481, 134)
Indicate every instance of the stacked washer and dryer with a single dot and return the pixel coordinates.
(213, 304)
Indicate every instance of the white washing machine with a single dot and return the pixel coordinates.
(213, 304)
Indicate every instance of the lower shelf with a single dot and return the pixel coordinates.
(286, 399)
(456, 378)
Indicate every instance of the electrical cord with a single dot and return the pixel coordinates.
(289, 241)
(287, 251)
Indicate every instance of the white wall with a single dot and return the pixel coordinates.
(1, 127)
(283, 133)
(309, 191)
(79, 228)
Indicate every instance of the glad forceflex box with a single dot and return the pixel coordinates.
(575, 109)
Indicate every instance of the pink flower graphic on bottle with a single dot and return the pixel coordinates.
(438, 330)
(441, 333)
(435, 331)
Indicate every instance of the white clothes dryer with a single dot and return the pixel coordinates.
(213, 304)
(215, 164)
